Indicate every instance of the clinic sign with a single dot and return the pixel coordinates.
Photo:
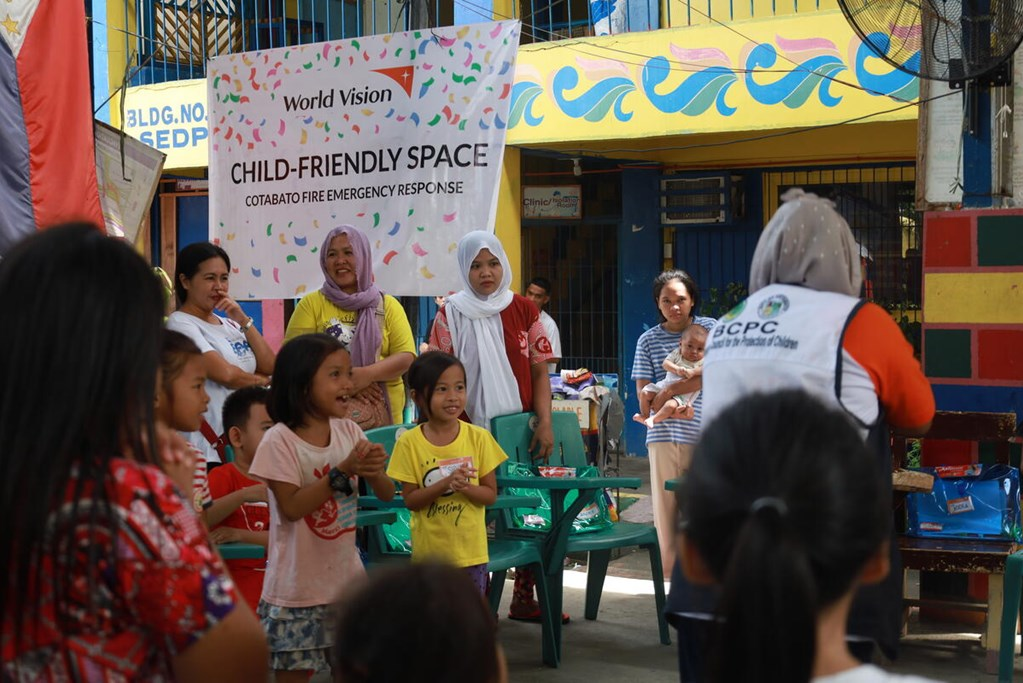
(172, 117)
(552, 201)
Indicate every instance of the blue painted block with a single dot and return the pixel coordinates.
(979, 398)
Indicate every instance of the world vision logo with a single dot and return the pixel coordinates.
(404, 76)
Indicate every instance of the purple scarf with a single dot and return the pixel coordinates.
(367, 340)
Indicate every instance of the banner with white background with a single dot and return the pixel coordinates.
(401, 135)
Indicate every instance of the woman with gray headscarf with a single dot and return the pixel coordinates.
(803, 326)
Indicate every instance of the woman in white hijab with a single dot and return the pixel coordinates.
(498, 336)
(804, 327)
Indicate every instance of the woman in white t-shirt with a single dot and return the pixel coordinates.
(235, 353)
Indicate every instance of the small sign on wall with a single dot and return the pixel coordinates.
(552, 201)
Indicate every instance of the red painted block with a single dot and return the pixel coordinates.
(947, 242)
(1000, 354)
(942, 452)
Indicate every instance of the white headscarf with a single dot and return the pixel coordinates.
(807, 243)
(477, 335)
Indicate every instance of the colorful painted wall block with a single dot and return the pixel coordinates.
(947, 353)
(1000, 354)
(973, 309)
(1000, 240)
(948, 242)
(974, 297)
(800, 70)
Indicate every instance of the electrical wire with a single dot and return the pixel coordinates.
(574, 48)
(673, 64)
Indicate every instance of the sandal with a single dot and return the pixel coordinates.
(534, 616)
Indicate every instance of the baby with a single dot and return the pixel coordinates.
(683, 363)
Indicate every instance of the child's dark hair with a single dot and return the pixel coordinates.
(785, 505)
(686, 279)
(297, 362)
(423, 375)
(98, 346)
(175, 350)
(446, 630)
(188, 261)
(238, 405)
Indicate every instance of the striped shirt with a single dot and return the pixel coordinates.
(653, 347)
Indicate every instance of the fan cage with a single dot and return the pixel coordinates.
(952, 40)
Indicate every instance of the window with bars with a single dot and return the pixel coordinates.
(879, 205)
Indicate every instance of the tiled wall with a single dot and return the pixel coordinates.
(973, 316)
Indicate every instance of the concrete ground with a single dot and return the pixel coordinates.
(622, 644)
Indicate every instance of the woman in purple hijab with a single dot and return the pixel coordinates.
(349, 306)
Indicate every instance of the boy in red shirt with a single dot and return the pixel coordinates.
(245, 421)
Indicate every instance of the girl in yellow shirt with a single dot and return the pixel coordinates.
(447, 470)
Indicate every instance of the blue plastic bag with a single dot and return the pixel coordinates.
(967, 501)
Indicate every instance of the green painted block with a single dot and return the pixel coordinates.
(947, 353)
(1000, 241)
(986, 453)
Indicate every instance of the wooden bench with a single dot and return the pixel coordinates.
(966, 556)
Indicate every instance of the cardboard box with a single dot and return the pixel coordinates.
(585, 411)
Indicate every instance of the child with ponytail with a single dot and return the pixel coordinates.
(785, 510)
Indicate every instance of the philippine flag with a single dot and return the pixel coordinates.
(47, 156)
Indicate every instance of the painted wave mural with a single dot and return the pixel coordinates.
(693, 81)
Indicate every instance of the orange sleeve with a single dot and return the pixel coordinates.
(875, 341)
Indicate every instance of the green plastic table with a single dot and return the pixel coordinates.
(503, 501)
(241, 551)
(254, 551)
(554, 544)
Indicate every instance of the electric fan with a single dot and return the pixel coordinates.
(943, 40)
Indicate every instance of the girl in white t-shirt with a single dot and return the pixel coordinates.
(311, 461)
(785, 509)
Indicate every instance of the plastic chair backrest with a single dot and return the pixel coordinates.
(610, 425)
(569, 449)
(514, 432)
(387, 436)
(388, 537)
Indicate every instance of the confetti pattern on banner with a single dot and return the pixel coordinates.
(401, 135)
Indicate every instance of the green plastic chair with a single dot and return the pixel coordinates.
(1011, 609)
(504, 553)
(379, 548)
(513, 433)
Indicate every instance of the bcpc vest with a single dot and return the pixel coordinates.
(787, 337)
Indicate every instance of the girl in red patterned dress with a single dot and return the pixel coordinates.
(498, 336)
(110, 576)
